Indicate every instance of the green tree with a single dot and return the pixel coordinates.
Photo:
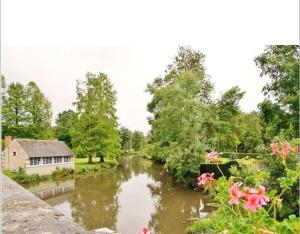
(126, 141)
(280, 64)
(180, 122)
(95, 133)
(64, 123)
(26, 112)
(273, 120)
(252, 132)
(38, 109)
(186, 59)
(228, 134)
(138, 139)
(178, 135)
(14, 105)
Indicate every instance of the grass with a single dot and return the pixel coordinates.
(82, 163)
(83, 167)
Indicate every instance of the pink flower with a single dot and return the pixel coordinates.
(253, 198)
(252, 202)
(248, 190)
(206, 178)
(274, 148)
(285, 150)
(263, 199)
(295, 149)
(145, 230)
(213, 156)
(235, 194)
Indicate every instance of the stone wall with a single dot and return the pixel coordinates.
(23, 212)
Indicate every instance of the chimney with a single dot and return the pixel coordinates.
(7, 141)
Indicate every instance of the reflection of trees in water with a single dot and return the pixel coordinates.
(173, 203)
(95, 200)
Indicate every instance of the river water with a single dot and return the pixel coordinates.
(136, 194)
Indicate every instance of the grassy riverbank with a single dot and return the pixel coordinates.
(82, 167)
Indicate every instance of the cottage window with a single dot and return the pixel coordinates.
(34, 161)
(14, 153)
(67, 158)
(58, 159)
(47, 160)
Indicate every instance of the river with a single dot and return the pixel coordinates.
(138, 193)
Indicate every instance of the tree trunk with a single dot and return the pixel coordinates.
(90, 160)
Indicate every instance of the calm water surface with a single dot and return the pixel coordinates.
(138, 193)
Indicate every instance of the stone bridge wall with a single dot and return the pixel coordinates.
(25, 213)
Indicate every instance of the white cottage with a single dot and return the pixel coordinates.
(36, 156)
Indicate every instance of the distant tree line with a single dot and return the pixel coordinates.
(131, 140)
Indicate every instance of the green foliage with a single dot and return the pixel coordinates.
(95, 133)
(176, 132)
(138, 139)
(216, 167)
(62, 172)
(281, 178)
(126, 139)
(228, 128)
(251, 135)
(280, 64)
(22, 178)
(64, 123)
(26, 111)
(179, 106)
(220, 223)
(236, 219)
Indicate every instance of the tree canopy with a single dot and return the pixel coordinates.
(95, 133)
(280, 110)
(26, 112)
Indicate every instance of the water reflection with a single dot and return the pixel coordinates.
(136, 194)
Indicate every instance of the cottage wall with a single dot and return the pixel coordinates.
(14, 157)
(47, 169)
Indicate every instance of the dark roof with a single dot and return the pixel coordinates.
(44, 148)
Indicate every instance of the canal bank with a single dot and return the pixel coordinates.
(22, 212)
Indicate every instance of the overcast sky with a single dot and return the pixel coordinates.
(56, 42)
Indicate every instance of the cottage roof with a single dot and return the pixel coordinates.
(44, 148)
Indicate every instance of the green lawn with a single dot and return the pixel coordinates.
(82, 165)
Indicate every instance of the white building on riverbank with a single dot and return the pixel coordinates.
(36, 156)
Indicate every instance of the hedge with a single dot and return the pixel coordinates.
(213, 168)
(233, 155)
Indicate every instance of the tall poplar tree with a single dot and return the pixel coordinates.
(96, 133)
(38, 109)
(14, 105)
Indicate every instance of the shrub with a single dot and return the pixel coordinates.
(245, 205)
(213, 167)
(62, 172)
